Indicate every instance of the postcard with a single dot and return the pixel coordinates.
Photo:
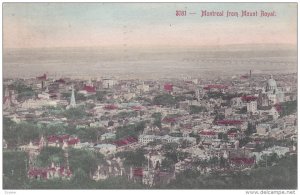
(150, 96)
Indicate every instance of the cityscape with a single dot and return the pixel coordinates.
(148, 132)
(163, 115)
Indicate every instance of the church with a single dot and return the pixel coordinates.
(271, 94)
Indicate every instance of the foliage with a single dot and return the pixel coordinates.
(24, 92)
(157, 119)
(14, 169)
(289, 108)
(223, 136)
(22, 133)
(133, 158)
(243, 110)
(132, 130)
(164, 100)
(197, 109)
(244, 141)
(100, 95)
(119, 183)
(281, 176)
(251, 128)
(268, 160)
(89, 134)
(49, 155)
(214, 95)
(123, 115)
(86, 160)
(75, 113)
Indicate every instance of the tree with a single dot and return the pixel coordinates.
(49, 155)
(22, 133)
(157, 119)
(289, 108)
(197, 109)
(100, 95)
(164, 100)
(223, 136)
(75, 113)
(24, 92)
(133, 158)
(86, 160)
(15, 165)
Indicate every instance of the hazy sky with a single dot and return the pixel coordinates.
(27, 25)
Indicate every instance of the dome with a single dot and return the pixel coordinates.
(271, 83)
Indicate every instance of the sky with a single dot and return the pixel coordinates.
(46, 25)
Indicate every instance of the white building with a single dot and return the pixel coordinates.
(38, 103)
(108, 83)
(275, 95)
(108, 136)
(263, 128)
(252, 107)
(106, 148)
(280, 151)
(145, 139)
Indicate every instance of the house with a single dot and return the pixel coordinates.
(263, 128)
(208, 134)
(279, 150)
(48, 173)
(242, 162)
(88, 90)
(106, 136)
(111, 168)
(105, 148)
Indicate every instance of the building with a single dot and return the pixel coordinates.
(106, 136)
(275, 95)
(108, 83)
(52, 172)
(106, 148)
(263, 128)
(72, 101)
(252, 107)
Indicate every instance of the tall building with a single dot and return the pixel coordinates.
(275, 95)
(72, 102)
(252, 107)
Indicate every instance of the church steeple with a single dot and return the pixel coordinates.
(73, 102)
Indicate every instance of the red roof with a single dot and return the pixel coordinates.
(44, 77)
(168, 87)
(248, 98)
(278, 107)
(169, 120)
(216, 86)
(232, 134)
(138, 172)
(247, 161)
(42, 172)
(73, 141)
(125, 141)
(58, 138)
(89, 89)
(229, 122)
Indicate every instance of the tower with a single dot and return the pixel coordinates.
(73, 102)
